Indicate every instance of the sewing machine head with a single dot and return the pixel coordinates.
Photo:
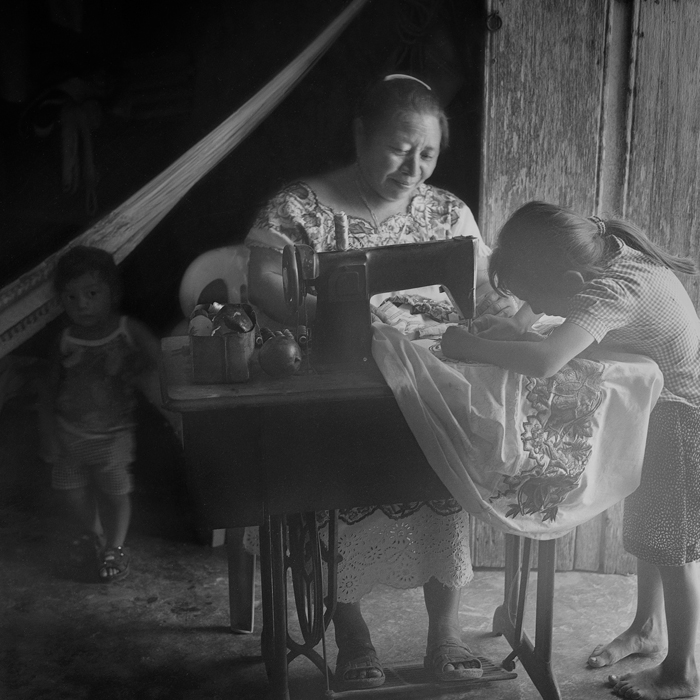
(344, 282)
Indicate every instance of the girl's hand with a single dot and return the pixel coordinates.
(498, 328)
(458, 343)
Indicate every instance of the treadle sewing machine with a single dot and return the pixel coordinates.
(271, 452)
(345, 281)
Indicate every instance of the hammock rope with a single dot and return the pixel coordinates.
(29, 303)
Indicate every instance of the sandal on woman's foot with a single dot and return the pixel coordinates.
(114, 565)
(452, 652)
(353, 664)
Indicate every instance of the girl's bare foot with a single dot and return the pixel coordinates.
(654, 684)
(629, 642)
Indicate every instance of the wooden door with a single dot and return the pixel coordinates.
(592, 104)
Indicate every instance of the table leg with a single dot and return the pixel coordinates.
(241, 582)
(274, 600)
(536, 659)
(544, 620)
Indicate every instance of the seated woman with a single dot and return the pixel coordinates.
(399, 133)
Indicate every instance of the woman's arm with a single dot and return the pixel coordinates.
(533, 358)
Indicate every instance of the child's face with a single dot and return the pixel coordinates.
(548, 302)
(88, 300)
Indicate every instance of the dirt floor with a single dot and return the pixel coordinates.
(160, 633)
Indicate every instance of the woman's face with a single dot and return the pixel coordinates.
(398, 155)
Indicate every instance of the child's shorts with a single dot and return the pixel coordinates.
(662, 517)
(102, 461)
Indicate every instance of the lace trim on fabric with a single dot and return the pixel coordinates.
(402, 551)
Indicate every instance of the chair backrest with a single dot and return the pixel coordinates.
(216, 275)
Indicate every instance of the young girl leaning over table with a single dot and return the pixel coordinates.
(615, 287)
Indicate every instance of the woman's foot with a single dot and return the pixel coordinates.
(631, 641)
(654, 684)
(452, 660)
(357, 667)
(446, 656)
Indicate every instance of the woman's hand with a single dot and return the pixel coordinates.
(489, 301)
(459, 344)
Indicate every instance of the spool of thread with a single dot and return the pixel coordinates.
(341, 230)
(302, 335)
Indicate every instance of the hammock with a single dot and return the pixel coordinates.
(29, 303)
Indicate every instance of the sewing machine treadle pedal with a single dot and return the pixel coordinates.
(418, 683)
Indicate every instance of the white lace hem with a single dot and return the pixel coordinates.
(402, 553)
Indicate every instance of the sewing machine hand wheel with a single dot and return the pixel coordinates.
(299, 264)
(307, 555)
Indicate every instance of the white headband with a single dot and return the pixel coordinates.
(402, 76)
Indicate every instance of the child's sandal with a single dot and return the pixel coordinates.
(114, 566)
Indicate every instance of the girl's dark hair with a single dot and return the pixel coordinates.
(82, 259)
(541, 241)
(401, 95)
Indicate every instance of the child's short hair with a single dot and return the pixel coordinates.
(81, 260)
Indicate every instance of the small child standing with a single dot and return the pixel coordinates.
(88, 422)
(613, 286)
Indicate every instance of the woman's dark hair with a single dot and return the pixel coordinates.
(81, 260)
(541, 241)
(401, 95)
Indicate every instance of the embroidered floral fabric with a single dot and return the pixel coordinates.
(296, 213)
(556, 436)
(438, 309)
(527, 455)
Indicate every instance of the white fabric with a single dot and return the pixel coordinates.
(473, 422)
(403, 552)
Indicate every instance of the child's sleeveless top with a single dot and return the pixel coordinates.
(97, 390)
(638, 305)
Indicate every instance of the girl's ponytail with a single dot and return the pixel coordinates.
(635, 238)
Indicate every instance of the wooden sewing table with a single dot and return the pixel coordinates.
(262, 452)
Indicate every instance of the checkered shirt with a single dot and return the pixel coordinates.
(640, 306)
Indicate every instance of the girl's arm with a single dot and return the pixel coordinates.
(541, 358)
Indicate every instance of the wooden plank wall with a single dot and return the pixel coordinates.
(663, 176)
(593, 105)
